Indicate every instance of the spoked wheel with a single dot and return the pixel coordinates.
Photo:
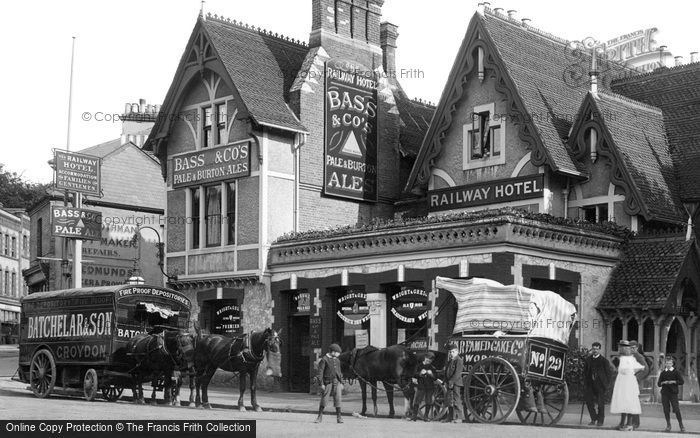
(112, 393)
(90, 384)
(438, 409)
(492, 391)
(551, 401)
(42, 373)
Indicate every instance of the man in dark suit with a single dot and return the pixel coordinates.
(597, 375)
(331, 381)
(453, 381)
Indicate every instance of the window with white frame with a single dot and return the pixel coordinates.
(484, 138)
(595, 213)
(218, 203)
(214, 125)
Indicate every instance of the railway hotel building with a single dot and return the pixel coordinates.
(319, 198)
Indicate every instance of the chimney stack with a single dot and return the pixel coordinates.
(679, 60)
(498, 11)
(358, 21)
(526, 21)
(512, 14)
(693, 56)
(388, 33)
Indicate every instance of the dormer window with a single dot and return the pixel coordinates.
(484, 138)
(595, 213)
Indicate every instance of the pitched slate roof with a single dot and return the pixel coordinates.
(646, 274)
(103, 149)
(638, 133)
(415, 121)
(677, 92)
(538, 63)
(262, 67)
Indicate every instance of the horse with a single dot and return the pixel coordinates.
(231, 354)
(165, 354)
(392, 366)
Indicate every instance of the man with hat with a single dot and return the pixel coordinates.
(331, 381)
(424, 381)
(453, 380)
(597, 377)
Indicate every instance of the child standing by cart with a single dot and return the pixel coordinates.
(669, 379)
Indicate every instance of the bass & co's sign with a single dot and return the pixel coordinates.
(211, 165)
(350, 161)
(77, 223)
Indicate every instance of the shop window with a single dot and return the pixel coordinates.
(195, 217)
(595, 213)
(616, 333)
(648, 328)
(231, 212)
(484, 138)
(212, 210)
(352, 318)
(408, 316)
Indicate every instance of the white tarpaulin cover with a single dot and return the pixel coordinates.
(164, 312)
(487, 305)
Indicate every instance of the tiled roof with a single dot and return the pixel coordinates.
(263, 68)
(415, 120)
(677, 92)
(103, 149)
(638, 134)
(645, 276)
(538, 63)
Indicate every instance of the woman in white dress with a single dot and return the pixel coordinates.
(625, 398)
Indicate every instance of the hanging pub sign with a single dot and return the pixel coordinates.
(350, 159)
(300, 302)
(353, 308)
(410, 305)
(77, 223)
(77, 172)
(226, 317)
(210, 165)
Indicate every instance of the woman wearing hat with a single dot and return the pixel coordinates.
(625, 398)
(331, 381)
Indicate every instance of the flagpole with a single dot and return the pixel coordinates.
(77, 274)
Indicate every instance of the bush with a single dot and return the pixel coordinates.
(574, 372)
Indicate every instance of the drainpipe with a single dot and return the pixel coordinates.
(565, 194)
(299, 141)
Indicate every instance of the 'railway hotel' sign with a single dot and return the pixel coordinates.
(77, 172)
(490, 192)
(211, 164)
(350, 160)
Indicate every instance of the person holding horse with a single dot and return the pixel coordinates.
(453, 380)
(331, 381)
(424, 381)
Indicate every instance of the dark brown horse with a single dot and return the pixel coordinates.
(155, 356)
(393, 366)
(231, 354)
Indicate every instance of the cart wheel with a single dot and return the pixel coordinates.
(554, 398)
(90, 384)
(438, 409)
(492, 391)
(42, 373)
(112, 393)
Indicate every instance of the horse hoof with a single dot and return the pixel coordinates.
(258, 409)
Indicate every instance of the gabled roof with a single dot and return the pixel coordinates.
(103, 149)
(677, 92)
(647, 273)
(415, 121)
(262, 67)
(639, 153)
(531, 68)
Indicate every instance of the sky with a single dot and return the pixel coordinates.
(129, 49)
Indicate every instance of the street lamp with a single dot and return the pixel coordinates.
(161, 254)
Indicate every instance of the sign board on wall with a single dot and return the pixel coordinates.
(315, 330)
(77, 223)
(226, 317)
(410, 305)
(489, 192)
(353, 308)
(350, 159)
(77, 172)
(211, 165)
(300, 303)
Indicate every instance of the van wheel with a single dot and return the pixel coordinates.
(42, 373)
(90, 384)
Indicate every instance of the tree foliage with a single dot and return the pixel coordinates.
(16, 192)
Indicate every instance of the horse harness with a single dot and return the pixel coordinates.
(353, 359)
(160, 345)
(247, 348)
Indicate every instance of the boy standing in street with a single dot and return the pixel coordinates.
(453, 380)
(669, 379)
(425, 386)
(331, 381)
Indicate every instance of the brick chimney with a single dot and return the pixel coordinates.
(388, 33)
(356, 20)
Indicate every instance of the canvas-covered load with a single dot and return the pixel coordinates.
(488, 306)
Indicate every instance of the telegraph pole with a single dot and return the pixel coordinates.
(77, 273)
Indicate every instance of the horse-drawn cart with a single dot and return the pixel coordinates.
(513, 341)
(76, 338)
